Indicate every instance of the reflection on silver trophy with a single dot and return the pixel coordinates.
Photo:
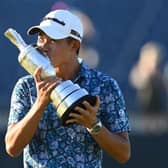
(66, 95)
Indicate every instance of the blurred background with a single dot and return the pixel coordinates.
(126, 40)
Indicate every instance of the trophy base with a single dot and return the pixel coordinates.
(89, 98)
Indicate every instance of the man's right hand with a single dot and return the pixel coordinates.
(44, 87)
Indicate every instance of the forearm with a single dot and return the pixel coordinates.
(19, 135)
(117, 145)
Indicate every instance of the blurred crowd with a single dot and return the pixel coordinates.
(149, 79)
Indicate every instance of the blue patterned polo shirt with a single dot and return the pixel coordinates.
(57, 146)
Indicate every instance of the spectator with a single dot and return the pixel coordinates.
(147, 78)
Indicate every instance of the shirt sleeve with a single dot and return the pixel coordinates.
(114, 114)
(19, 105)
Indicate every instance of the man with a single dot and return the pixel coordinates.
(33, 122)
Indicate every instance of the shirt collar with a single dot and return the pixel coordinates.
(84, 72)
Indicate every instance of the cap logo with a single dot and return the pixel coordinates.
(55, 20)
(75, 33)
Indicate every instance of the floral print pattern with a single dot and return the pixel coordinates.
(58, 146)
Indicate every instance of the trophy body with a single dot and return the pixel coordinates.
(66, 95)
(30, 58)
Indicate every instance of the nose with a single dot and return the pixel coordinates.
(43, 46)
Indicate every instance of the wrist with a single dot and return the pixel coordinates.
(39, 106)
(95, 128)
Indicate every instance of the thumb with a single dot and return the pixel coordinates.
(97, 101)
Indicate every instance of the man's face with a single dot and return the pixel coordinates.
(58, 51)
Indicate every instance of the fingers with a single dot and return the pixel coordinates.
(38, 79)
(51, 86)
(45, 85)
(97, 102)
(37, 74)
(80, 111)
(85, 116)
(89, 107)
(74, 118)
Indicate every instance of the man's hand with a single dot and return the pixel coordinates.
(44, 87)
(85, 116)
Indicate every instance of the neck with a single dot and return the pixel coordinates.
(68, 71)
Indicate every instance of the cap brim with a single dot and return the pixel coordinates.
(48, 30)
(33, 30)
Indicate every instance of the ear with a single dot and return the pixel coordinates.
(76, 45)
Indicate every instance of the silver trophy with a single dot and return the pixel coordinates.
(66, 95)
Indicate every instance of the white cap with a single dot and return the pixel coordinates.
(59, 24)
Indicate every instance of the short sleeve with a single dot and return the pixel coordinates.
(114, 114)
(19, 105)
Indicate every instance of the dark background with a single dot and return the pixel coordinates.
(122, 28)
